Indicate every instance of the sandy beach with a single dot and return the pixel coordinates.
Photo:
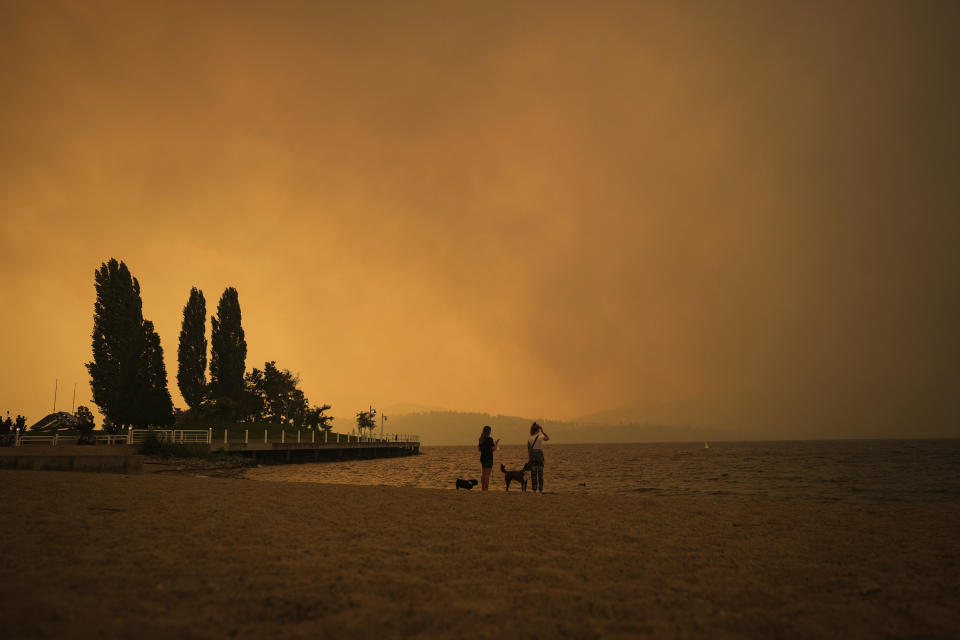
(179, 556)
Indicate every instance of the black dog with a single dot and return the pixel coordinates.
(466, 484)
(520, 476)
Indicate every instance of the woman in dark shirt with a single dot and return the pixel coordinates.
(487, 446)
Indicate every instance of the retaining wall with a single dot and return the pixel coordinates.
(90, 463)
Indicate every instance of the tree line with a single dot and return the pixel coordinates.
(129, 380)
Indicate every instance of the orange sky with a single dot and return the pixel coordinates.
(542, 210)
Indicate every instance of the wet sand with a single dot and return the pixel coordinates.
(178, 556)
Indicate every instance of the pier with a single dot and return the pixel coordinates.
(61, 452)
(291, 446)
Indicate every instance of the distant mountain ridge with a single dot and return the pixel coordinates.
(403, 408)
(847, 411)
(456, 427)
(825, 412)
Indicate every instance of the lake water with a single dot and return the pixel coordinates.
(836, 470)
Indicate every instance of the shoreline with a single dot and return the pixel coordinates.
(210, 557)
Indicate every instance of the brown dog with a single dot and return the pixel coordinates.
(519, 475)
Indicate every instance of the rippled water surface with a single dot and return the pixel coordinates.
(847, 470)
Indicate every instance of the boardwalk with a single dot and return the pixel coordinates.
(60, 452)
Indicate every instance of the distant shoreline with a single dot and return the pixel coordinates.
(694, 442)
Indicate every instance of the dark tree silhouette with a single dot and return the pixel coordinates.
(192, 353)
(117, 342)
(85, 420)
(127, 376)
(274, 392)
(317, 420)
(85, 425)
(228, 349)
(365, 420)
(156, 407)
(109, 427)
(273, 395)
(253, 406)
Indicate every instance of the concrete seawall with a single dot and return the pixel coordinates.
(69, 461)
(125, 459)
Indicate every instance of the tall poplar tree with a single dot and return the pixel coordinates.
(228, 349)
(117, 336)
(156, 407)
(128, 379)
(192, 353)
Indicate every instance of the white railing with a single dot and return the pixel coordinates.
(177, 436)
(205, 436)
(51, 440)
(57, 439)
(181, 436)
(387, 438)
(138, 436)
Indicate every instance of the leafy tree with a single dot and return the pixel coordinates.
(253, 406)
(316, 419)
(274, 392)
(365, 420)
(85, 420)
(273, 395)
(297, 409)
(192, 353)
(228, 349)
(85, 425)
(279, 386)
(127, 374)
(21, 424)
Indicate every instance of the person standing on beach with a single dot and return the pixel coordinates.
(535, 449)
(487, 446)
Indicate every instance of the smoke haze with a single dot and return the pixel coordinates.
(545, 210)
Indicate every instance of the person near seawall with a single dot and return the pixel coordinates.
(535, 450)
(487, 446)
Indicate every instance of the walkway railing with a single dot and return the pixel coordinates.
(58, 439)
(314, 437)
(212, 435)
(22, 440)
(177, 436)
(206, 436)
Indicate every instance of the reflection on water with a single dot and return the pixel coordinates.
(826, 470)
